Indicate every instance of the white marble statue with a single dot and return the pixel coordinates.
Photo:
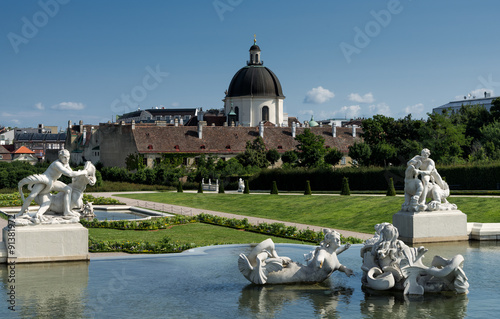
(241, 185)
(429, 185)
(264, 266)
(388, 263)
(67, 202)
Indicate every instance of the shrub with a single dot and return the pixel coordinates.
(221, 187)
(247, 189)
(179, 187)
(274, 189)
(345, 187)
(308, 188)
(200, 188)
(391, 191)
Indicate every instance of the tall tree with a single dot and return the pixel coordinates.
(333, 157)
(311, 148)
(255, 154)
(361, 153)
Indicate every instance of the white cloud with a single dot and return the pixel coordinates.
(367, 98)
(176, 104)
(380, 108)
(68, 106)
(351, 111)
(416, 109)
(39, 106)
(306, 112)
(318, 95)
(5, 114)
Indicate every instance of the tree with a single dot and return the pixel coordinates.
(445, 139)
(382, 153)
(345, 187)
(307, 191)
(311, 148)
(360, 152)
(274, 189)
(290, 157)
(333, 157)
(255, 154)
(272, 156)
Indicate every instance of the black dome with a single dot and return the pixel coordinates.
(255, 80)
(254, 47)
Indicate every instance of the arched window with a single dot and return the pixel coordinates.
(265, 113)
(237, 112)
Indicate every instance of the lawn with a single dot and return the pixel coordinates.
(355, 213)
(197, 233)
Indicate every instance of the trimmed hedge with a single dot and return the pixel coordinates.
(470, 177)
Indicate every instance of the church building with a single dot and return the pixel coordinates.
(255, 94)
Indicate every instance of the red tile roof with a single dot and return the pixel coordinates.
(220, 139)
(24, 150)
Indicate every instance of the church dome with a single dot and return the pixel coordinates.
(255, 80)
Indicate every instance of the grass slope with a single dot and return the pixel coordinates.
(355, 213)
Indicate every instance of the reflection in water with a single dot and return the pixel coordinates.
(51, 290)
(395, 305)
(269, 300)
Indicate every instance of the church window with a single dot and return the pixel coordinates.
(265, 113)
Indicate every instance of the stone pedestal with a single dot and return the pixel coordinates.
(46, 243)
(429, 227)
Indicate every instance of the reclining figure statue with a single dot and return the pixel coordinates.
(264, 266)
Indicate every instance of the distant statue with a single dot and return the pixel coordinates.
(241, 185)
(67, 202)
(389, 264)
(264, 266)
(430, 185)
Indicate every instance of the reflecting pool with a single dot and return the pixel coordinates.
(118, 215)
(206, 283)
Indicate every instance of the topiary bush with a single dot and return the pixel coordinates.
(391, 191)
(247, 189)
(307, 191)
(345, 187)
(179, 188)
(274, 189)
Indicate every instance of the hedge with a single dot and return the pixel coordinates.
(470, 177)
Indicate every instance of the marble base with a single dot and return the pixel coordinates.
(429, 227)
(484, 231)
(46, 243)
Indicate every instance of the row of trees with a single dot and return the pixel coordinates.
(470, 135)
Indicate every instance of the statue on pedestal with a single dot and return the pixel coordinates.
(241, 185)
(264, 266)
(388, 263)
(429, 185)
(66, 202)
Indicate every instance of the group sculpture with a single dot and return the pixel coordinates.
(64, 207)
(388, 263)
(263, 265)
(429, 185)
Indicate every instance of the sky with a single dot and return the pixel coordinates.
(72, 60)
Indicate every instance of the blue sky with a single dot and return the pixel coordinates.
(91, 60)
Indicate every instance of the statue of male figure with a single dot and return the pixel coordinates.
(43, 184)
(427, 169)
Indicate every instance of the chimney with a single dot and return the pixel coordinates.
(176, 122)
(81, 126)
(294, 129)
(69, 125)
(261, 129)
(353, 131)
(84, 135)
(334, 130)
(133, 125)
(225, 124)
(200, 131)
(232, 123)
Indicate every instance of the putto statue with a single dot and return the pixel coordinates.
(67, 202)
(429, 185)
(388, 263)
(264, 266)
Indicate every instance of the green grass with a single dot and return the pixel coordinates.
(198, 233)
(355, 213)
